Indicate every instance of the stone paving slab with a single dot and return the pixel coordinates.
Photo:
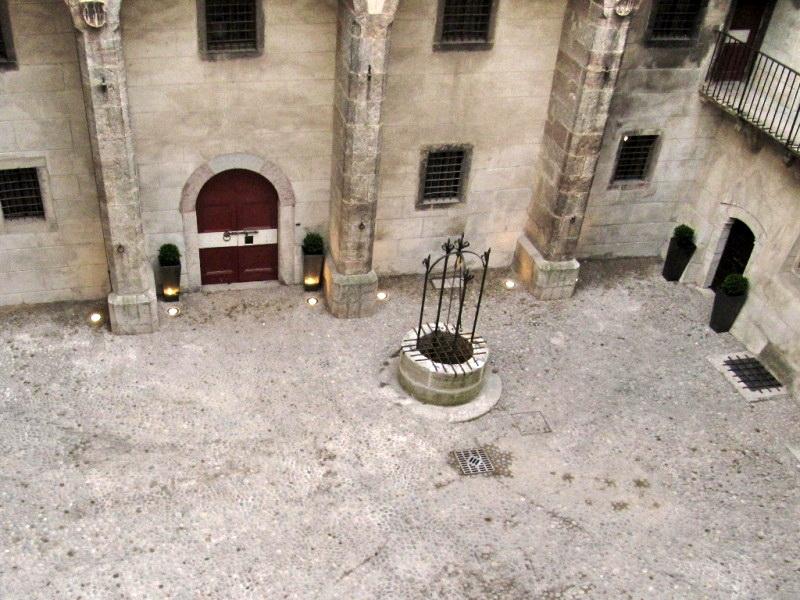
(248, 450)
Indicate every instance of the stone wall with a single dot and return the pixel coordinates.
(782, 40)
(754, 184)
(657, 92)
(43, 124)
(496, 100)
(187, 111)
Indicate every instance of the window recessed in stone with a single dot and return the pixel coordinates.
(230, 26)
(444, 173)
(465, 24)
(20, 194)
(634, 158)
(675, 20)
(7, 56)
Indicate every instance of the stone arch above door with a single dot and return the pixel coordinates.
(288, 250)
(726, 215)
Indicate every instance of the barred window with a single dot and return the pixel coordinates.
(675, 19)
(7, 56)
(465, 23)
(634, 158)
(443, 175)
(230, 26)
(3, 51)
(20, 194)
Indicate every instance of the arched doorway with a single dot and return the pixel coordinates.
(237, 228)
(736, 254)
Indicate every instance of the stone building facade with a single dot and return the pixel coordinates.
(358, 112)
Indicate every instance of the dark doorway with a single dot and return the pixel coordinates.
(237, 226)
(747, 24)
(736, 254)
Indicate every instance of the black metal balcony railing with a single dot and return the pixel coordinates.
(756, 87)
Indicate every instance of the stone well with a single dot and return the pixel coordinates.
(442, 383)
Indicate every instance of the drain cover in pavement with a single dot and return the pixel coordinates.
(474, 461)
(750, 377)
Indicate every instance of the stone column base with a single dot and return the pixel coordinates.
(133, 313)
(349, 296)
(546, 279)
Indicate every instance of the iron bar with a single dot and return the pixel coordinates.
(467, 278)
(448, 248)
(485, 260)
(427, 263)
(759, 89)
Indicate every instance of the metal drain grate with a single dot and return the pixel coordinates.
(752, 374)
(474, 461)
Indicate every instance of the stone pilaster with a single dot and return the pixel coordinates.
(132, 302)
(589, 57)
(361, 63)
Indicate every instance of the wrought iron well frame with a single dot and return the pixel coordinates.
(457, 249)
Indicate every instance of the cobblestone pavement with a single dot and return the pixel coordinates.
(249, 450)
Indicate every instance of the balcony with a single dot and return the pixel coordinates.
(756, 88)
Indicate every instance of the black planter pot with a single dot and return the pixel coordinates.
(312, 271)
(726, 309)
(677, 259)
(170, 282)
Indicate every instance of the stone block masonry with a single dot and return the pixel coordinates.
(592, 43)
(361, 60)
(132, 302)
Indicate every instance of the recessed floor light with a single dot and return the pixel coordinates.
(173, 311)
(510, 284)
(95, 318)
(312, 301)
(382, 295)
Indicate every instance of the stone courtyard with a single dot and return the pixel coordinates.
(251, 449)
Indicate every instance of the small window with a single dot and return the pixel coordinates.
(230, 28)
(20, 194)
(675, 20)
(8, 58)
(444, 175)
(635, 157)
(465, 24)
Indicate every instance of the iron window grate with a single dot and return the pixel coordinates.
(752, 374)
(20, 194)
(231, 25)
(466, 20)
(474, 461)
(635, 153)
(444, 175)
(675, 19)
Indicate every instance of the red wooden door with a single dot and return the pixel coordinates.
(237, 225)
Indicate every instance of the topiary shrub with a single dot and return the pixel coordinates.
(735, 285)
(313, 244)
(684, 235)
(169, 255)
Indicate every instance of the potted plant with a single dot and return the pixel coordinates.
(728, 301)
(169, 261)
(313, 261)
(681, 249)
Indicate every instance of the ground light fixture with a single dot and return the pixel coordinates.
(312, 301)
(173, 311)
(382, 295)
(510, 284)
(95, 318)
